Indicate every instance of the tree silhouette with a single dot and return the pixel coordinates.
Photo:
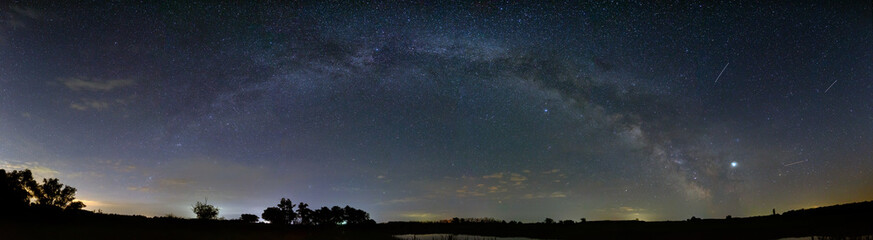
(322, 216)
(273, 215)
(336, 215)
(355, 216)
(287, 208)
(16, 188)
(205, 211)
(549, 221)
(249, 218)
(304, 213)
(283, 213)
(54, 194)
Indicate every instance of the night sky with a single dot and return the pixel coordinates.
(422, 111)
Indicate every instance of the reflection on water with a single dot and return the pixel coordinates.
(456, 237)
(476, 237)
(864, 237)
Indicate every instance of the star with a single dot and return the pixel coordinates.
(283, 97)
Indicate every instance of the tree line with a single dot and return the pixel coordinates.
(18, 190)
(284, 213)
(287, 212)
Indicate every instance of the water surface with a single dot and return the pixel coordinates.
(443, 236)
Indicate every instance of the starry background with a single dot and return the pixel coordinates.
(420, 111)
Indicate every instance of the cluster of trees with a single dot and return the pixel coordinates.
(18, 190)
(474, 220)
(284, 213)
(552, 221)
(249, 218)
(457, 220)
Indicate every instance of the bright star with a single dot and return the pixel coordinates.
(733, 164)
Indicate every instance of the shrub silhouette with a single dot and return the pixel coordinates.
(249, 218)
(205, 211)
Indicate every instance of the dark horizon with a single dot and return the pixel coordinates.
(422, 111)
(839, 221)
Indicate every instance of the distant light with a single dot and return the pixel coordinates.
(733, 164)
(546, 110)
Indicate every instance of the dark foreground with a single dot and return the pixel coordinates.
(846, 221)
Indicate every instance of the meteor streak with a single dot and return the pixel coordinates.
(826, 90)
(798, 162)
(722, 71)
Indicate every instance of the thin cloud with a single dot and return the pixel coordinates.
(79, 84)
(517, 179)
(544, 195)
(38, 169)
(85, 105)
(139, 189)
(27, 12)
(496, 175)
(402, 200)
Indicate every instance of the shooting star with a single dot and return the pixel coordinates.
(798, 162)
(722, 71)
(832, 84)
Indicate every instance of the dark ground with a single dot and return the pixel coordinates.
(837, 222)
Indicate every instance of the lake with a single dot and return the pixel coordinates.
(443, 236)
